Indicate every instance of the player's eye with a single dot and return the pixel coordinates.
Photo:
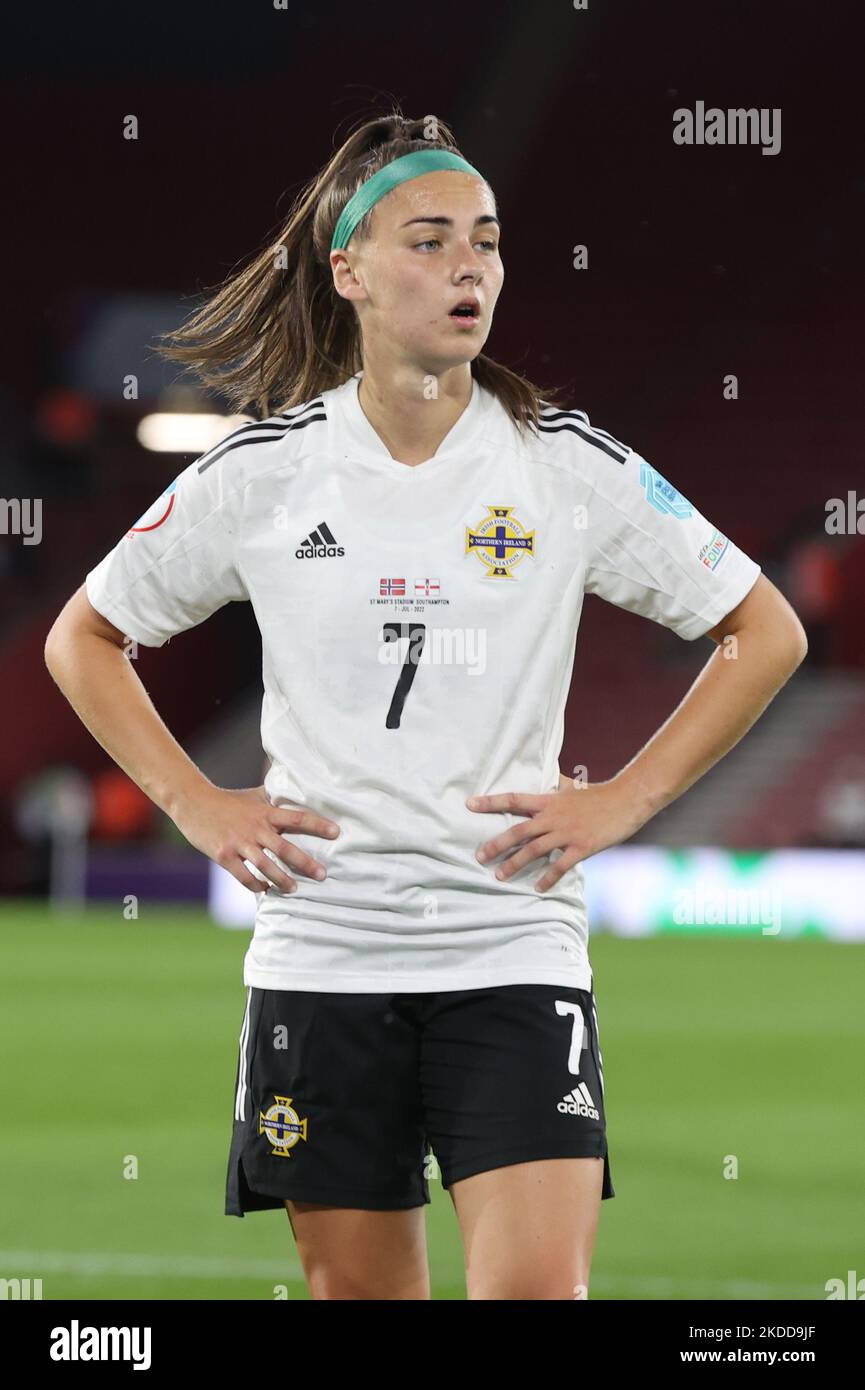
(434, 241)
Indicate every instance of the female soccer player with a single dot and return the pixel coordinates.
(415, 529)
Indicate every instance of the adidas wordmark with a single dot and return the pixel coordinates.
(579, 1102)
(319, 543)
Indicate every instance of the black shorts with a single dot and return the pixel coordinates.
(358, 1100)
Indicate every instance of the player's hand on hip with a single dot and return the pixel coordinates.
(232, 826)
(580, 819)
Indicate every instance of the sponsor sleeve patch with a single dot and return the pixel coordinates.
(712, 553)
(662, 495)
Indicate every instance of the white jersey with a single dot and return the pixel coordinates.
(418, 631)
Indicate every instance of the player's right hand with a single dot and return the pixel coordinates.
(231, 826)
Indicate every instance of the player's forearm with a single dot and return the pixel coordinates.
(726, 699)
(106, 693)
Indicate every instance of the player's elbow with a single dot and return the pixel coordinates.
(60, 635)
(800, 647)
(788, 637)
(766, 613)
(53, 643)
(789, 631)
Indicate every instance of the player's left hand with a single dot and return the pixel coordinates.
(578, 819)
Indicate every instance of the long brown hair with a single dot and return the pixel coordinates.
(279, 332)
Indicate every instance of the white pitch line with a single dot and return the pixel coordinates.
(94, 1262)
(38, 1263)
(663, 1286)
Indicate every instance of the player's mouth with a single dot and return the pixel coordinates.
(466, 311)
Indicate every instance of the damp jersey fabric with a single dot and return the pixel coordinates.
(418, 629)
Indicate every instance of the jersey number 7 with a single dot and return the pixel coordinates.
(416, 634)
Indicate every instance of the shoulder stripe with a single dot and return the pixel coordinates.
(554, 421)
(263, 431)
(551, 414)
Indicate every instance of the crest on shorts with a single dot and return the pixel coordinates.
(282, 1125)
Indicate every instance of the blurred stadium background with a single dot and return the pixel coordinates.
(119, 1030)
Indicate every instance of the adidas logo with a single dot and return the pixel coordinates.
(320, 543)
(579, 1102)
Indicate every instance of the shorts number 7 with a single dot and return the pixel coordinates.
(416, 634)
(579, 1040)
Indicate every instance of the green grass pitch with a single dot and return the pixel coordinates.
(120, 1037)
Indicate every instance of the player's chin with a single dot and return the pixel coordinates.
(456, 348)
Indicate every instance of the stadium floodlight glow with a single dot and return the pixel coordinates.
(178, 432)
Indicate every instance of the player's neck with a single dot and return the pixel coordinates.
(409, 424)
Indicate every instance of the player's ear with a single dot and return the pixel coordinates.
(345, 281)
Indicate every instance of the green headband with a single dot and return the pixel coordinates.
(408, 166)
